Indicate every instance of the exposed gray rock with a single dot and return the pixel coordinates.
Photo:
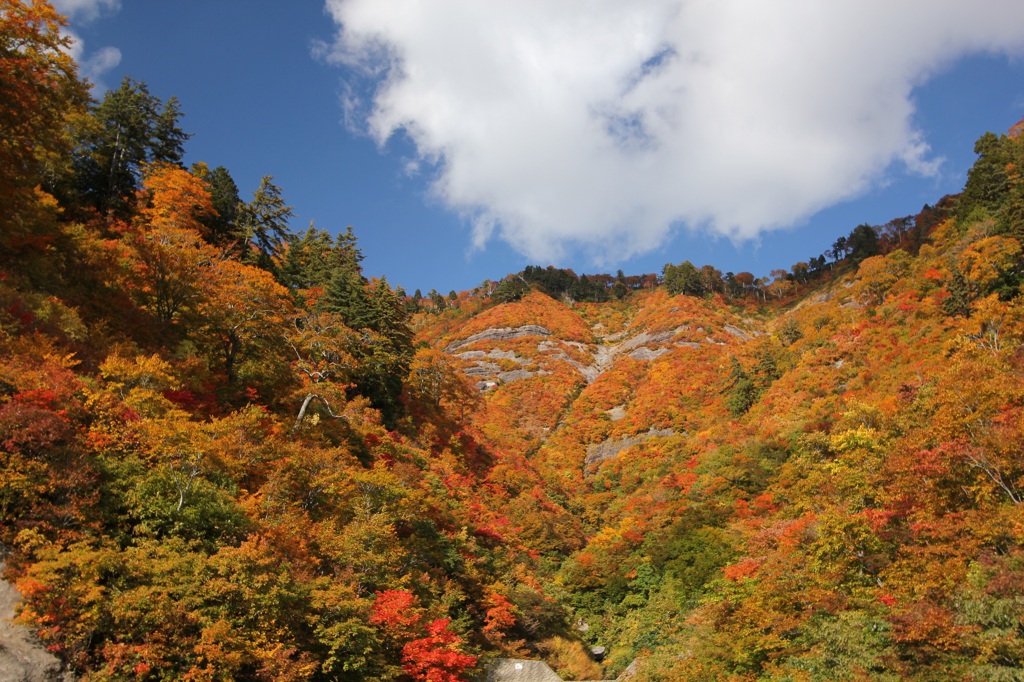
(514, 375)
(500, 334)
(646, 353)
(602, 452)
(739, 333)
(617, 336)
(604, 355)
(482, 369)
(616, 413)
(630, 672)
(637, 347)
(645, 338)
(22, 657)
(520, 670)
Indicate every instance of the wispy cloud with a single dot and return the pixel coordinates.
(85, 10)
(96, 64)
(92, 64)
(601, 124)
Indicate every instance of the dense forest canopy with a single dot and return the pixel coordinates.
(225, 453)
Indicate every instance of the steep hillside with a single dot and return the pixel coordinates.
(227, 454)
(754, 486)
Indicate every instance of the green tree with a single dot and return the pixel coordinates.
(683, 279)
(346, 296)
(130, 128)
(168, 139)
(263, 225)
(987, 180)
(840, 248)
(342, 276)
(512, 288)
(863, 243)
(377, 312)
(223, 227)
(958, 304)
(387, 354)
(742, 392)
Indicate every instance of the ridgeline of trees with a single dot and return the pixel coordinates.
(224, 453)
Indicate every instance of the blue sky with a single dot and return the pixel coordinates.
(462, 167)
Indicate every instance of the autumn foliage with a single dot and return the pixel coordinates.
(225, 453)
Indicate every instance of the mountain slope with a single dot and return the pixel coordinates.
(869, 478)
(226, 453)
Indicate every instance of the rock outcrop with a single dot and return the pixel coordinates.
(602, 452)
(502, 334)
(22, 657)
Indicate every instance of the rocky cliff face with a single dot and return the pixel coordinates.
(580, 385)
(22, 657)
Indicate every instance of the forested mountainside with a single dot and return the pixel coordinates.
(226, 454)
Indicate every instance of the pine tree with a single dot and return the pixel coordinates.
(309, 260)
(986, 180)
(168, 139)
(263, 225)
(960, 296)
(346, 296)
(863, 243)
(742, 392)
(387, 353)
(130, 128)
(223, 227)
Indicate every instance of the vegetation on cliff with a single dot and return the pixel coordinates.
(225, 453)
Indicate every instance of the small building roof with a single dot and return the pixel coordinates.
(520, 670)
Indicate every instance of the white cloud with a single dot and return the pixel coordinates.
(85, 10)
(97, 63)
(91, 65)
(600, 124)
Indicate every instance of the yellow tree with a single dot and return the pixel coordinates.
(323, 354)
(434, 379)
(243, 314)
(983, 262)
(176, 199)
(39, 94)
(172, 260)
